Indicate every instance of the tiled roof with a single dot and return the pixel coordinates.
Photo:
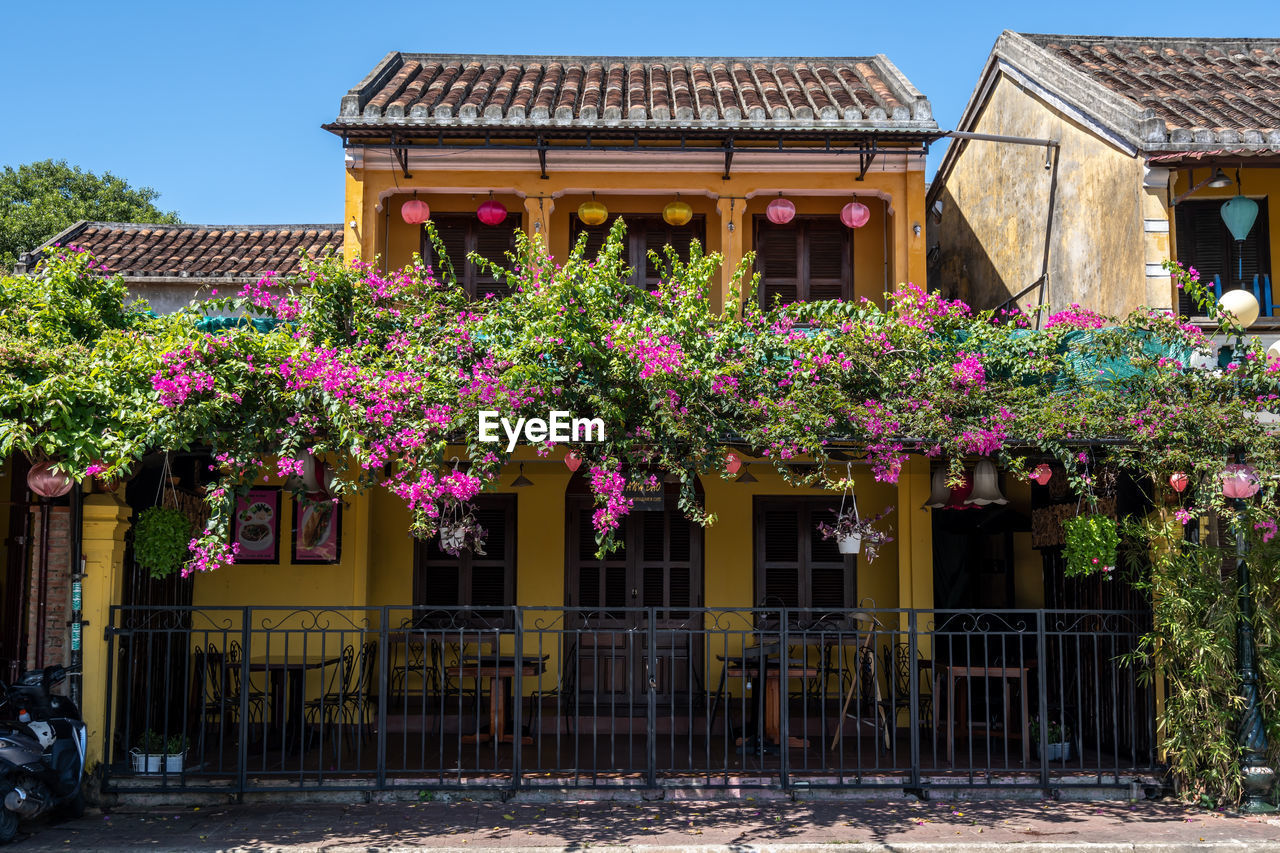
(1203, 91)
(200, 251)
(413, 89)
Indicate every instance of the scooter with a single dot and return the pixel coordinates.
(42, 751)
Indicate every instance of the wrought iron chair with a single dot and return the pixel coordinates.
(231, 677)
(360, 703)
(329, 706)
(564, 694)
(897, 667)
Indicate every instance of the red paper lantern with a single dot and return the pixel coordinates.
(780, 211)
(1240, 481)
(572, 460)
(960, 494)
(492, 212)
(732, 463)
(855, 214)
(415, 212)
(1179, 481)
(1042, 473)
(48, 483)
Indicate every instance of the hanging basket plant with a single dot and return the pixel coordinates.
(854, 534)
(1091, 543)
(462, 532)
(161, 539)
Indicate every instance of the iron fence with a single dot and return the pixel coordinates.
(260, 698)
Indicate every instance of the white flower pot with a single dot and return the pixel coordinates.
(849, 544)
(453, 538)
(1059, 751)
(150, 762)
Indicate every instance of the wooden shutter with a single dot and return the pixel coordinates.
(463, 234)
(795, 565)
(453, 233)
(778, 544)
(469, 579)
(827, 255)
(493, 242)
(657, 234)
(1204, 242)
(778, 260)
(601, 584)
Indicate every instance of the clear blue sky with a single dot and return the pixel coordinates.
(219, 105)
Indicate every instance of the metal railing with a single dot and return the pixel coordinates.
(260, 698)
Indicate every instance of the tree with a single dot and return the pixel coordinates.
(37, 200)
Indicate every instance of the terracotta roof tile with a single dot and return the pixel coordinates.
(200, 251)
(419, 90)
(1207, 91)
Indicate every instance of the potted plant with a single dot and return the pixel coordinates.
(160, 540)
(854, 534)
(1059, 746)
(462, 532)
(153, 749)
(1091, 542)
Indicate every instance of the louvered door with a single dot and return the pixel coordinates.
(659, 566)
(645, 233)
(808, 259)
(483, 582)
(463, 234)
(1204, 242)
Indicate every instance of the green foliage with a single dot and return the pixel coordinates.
(160, 540)
(1090, 546)
(38, 200)
(153, 743)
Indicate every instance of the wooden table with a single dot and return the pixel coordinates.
(749, 665)
(1006, 673)
(287, 715)
(499, 671)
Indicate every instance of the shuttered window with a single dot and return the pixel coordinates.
(1204, 242)
(806, 260)
(463, 234)
(645, 233)
(794, 565)
(472, 580)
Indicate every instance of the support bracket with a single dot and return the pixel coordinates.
(728, 157)
(865, 159)
(401, 153)
(542, 158)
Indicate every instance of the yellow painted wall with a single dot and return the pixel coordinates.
(1258, 184)
(879, 263)
(995, 214)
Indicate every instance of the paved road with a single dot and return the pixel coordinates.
(665, 827)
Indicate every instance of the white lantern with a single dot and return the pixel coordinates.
(1242, 305)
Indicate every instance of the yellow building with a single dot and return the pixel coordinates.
(342, 652)
(1140, 141)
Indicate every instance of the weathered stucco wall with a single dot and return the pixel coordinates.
(995, 212)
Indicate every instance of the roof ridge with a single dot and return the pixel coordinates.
(1156, 39)
(175, 226)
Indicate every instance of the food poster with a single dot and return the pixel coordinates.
(317, 531)
(256, 527)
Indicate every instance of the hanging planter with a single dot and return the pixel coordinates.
(462, 532)
(854, 534)
(160, 540)
(1090, 545)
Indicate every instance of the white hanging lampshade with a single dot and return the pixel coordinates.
(986, 487)
(939, 493)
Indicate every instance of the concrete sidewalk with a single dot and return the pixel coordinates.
(903, 826)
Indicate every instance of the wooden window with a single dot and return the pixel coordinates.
(462, 234)
(794, 565)
(1204, 242)
(808, 259)
(472, 580)
(645, 233)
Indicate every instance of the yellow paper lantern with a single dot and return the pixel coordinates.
(592, 212)
(677, 213)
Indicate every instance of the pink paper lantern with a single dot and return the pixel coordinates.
(48, 483)
(960, 494)
(492, 212)
(1042, 474)
(1179, 481)
(780, 211)
(415, 212)
(1240, 482)
(855, 214)
(732, 463)
(572, 460)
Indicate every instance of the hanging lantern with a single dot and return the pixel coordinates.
(1239, 482)
(1043, 473)
(780, 211)
(677, 213)
(986, 486)
(48, 483)
(415, 212)
(1239, 214)
(939, 494)
(492, 212)
(1242, 305)
(592, 212)
(572, 460)
(960, 494)
(1179, 481)
(732, 463)
(855, 214)
(1273, 351)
